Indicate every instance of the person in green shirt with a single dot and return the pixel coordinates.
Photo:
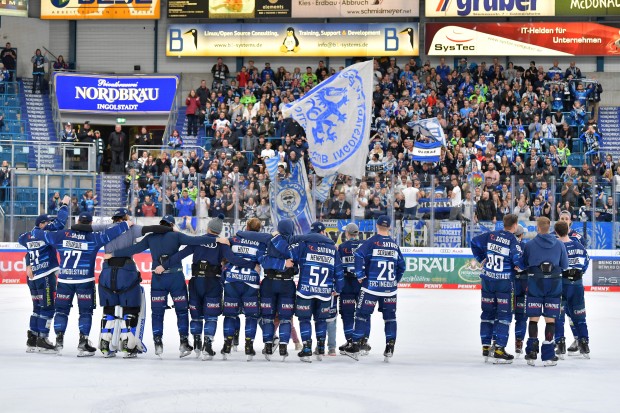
(247, 98)
(307, 76)
(563, 153)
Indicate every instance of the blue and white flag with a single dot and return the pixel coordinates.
(426, 152)
(271, 164)
(430, 128)
(336, 115)
(290, 198)
(321, 193)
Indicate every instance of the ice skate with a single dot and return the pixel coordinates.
(389, 351)
(130, 353)
(197, 344)
(518, 347)
(228, 345)
(159, 346)
(573, 349)
(364, 347)
(284, 350)
(235, 342)
(207, 349)
(531, 358)
(319, 351)
(104, 347)
(344, 346)
(560, 348)
(584, 348)
(249, 349)
(60, 342)
(85, 349)
(352, 350)
(500, 356)
(184, 348)
(31, 342)
(552, 362)
(268, 351)
(45, 346)
(305, 354)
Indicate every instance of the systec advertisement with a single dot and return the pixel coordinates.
(522, 39)
(17, 8)
(261, 9)
(609, 125)
(99, 9)
(523, 8)
(114, 94)
(294, 40)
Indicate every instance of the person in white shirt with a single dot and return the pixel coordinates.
(267, 152)
(522, 211)
(350, 191)
(359, 205)
(203, 203)
(411, 194)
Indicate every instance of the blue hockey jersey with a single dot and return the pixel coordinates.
(249, 250)
(211, 252)
(578, 257)
(78, 249)
(346, 250)
(320, 269)
(500, 251)
(42, 257)
(380, 264)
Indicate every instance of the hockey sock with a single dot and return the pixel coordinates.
(582, 328)
(559, 327)
(320, 327)
(210, 326)
(229, 326)
(549, 331)
(502, 330)
(574, 329)
(237, 324)
(361, 327)
(268, 330)
(44, 322)
(196, 326)
(347, 326)
(532, 345)
(285, 331)
(183, 322)
(533, 329)
(250, 327)
(390, 330)
(60, 323)
(34, 323)
(85, 322)
(520, 325)
(305, 329)
(157, 321)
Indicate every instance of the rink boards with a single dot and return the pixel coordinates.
(428, 268)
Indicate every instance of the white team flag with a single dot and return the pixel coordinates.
(336, 115)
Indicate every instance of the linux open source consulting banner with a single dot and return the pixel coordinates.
(304, 39)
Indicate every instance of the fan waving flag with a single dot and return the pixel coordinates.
(426, 152)
(336, 115)
(431, 128)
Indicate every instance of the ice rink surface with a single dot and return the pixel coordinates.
(437, 367)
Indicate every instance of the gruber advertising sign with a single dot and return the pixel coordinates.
(521, 8)
(294, 40)
(114, 94)
(99, 9)
(522, 39)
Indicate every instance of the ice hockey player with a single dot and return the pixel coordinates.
(520, 289)
(171, 281)
(206, 284)
(241, 287)
(379, 266)
(120, 293)
(320, 278)
(499, 252)
(351, 289)
(277, 290)
(573, 349)
(78, 250)
(545, 259)
(573, 302)
(42, 269)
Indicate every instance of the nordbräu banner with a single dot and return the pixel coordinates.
(522, 39)
(114, 94)
(293, 39)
